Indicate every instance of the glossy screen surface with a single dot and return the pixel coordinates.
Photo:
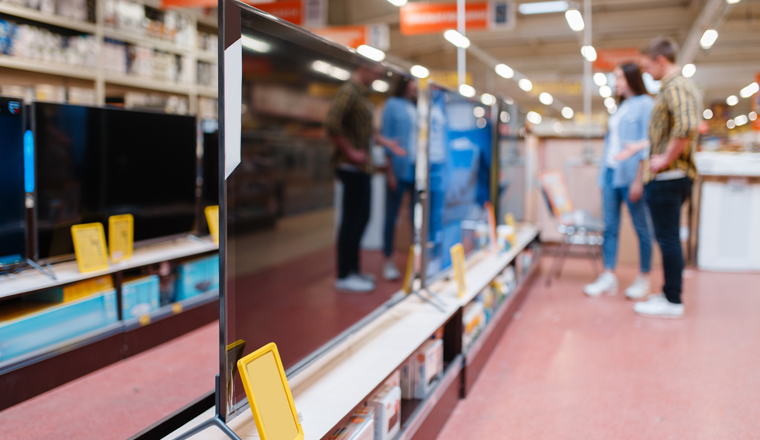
(12, 235)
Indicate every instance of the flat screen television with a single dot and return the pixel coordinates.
(95, 162)
(12, 209)
(459, 158)
(511, 173)
(283, 202)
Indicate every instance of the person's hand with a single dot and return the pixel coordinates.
(658, 162)
(358, 157)
(636, 191)
(629, 150)
(391, 180)
(395, 148)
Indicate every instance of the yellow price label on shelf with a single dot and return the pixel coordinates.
(90, 246)
(509, 219)
(121, 233)
(212, 218)
(457, 261)
(176, 308)
(144, 320)
(409, 274)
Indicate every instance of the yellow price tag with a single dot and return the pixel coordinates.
(409, 275)
(121, 233)
(457, 261)
(212, 218)
(176, 308)
(90, 246)
(144, 320)
(509, 219)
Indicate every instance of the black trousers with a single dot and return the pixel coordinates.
(665, 198)
(356, 204)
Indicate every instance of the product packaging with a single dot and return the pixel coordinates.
(387, 406)
(428, 364)
(361, 426)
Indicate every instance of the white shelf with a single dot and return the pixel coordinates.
(207, 56)
(52, 19)
(68, 272)
(170, 309)
(128, 37)
(335, 384)
(147, 83)
(47, 67)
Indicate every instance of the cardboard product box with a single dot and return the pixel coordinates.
(428, 367)
(75, 291)
(473, 320)
(196, 277)
(361, 426)
(140, 296)
(394, 380)
(407, 383)
(387, 406)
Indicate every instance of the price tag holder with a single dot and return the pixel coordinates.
(90, 247)
(212, 218)
(509, 219)
(457, 261)
(121, 233)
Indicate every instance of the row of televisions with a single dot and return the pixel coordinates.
(63, 165)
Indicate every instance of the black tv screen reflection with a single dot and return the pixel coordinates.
(12, 211)
(95, 162)
(301, 218)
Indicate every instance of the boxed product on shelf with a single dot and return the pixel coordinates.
(115, 56)
(407, 380)
(140, 296)
(74, 9)
(473, 321)
(387, 406)
(80, 96)
(361, 426)
(196, 277)
(428, 365)
(52, 325)
(394, 379)
(75, 291)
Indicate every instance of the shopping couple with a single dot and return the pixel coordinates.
(648, 163)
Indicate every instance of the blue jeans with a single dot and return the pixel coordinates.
(612, 200)
(392, 205)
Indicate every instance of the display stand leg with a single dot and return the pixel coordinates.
(198, 240)
(47, 270)
(214, 421)
(430, 300)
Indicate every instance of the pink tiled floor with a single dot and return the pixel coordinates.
(573, 367)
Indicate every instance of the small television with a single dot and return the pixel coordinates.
(12, 208)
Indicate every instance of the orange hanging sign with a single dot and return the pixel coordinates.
(607, 59)
(428, 18)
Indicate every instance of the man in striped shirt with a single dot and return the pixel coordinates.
(670, 170)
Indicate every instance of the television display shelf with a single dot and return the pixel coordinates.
(171, 309)
(68, 272)
(329, 389)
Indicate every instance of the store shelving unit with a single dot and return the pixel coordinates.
(100, 76)
(328, 391)
(75, 357)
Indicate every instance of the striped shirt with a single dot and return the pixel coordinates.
(675, 115)
(350, 115)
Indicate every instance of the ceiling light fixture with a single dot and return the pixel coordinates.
(732, 100)
(542, 7)
(467, 90)
(689, 70)
(487, 99)
(707, 114)
(371, 53)
(534, 118)
(575, 19)
(456, 39)
(731, 124)
(600, 79)
(545, 98)
(605, 91)
(397, 2)
(609, 102)
(504, 71)
(750, 90)
(589, 53)
(525, 84)
(708, 38)
(420, 71)
(568, 113)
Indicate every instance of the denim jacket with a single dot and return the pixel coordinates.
(633, 127)
(400, 125)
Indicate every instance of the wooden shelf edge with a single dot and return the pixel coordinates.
(51, 19)
(57, 69)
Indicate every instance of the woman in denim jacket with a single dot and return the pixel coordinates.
(627, 126)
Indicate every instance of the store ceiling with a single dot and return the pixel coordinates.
(546, 50)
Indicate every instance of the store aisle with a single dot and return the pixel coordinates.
(572, 367)
(122, 399)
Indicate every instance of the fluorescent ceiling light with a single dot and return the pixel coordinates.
(542, 7)
(456, 39)
(487, 99)
(558, 127)
(419, 71)
(509, 100)
(478, 112)
(732, 100)
(600, 79)
(504, 116)
(330, 70)
(609, 102)
(605, 91)
(708, 38)
(504, 71)
(689, 70)
(732, 2)
(575, 20)
(467, 90)
(545, 98)
(731, 124)
(741, 120)
(750, 90)
(525, 84)
(589, 53)
(568, 113)
(752, 116)
(256, 45)
(380, 86)
(534, 118)
(371, 53)
(397, 2)
(707, 114)
(612, 110)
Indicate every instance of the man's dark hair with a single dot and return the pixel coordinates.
(664, 46)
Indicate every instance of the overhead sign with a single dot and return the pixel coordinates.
(375, 35)
(298, 12)
(607, 59)
(569, 88)
(428, 18)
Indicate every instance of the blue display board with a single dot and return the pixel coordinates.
(460, 164)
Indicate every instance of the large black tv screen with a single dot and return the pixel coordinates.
(96, 162)
(12, 229)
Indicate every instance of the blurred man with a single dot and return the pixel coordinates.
(670, 170)
(349, 125)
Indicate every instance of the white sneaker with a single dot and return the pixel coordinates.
(365, 276)
(639, 289)
(354, 283)
(659, 307)
(390, 272)
(606, 283)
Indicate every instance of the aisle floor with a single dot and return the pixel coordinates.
(572, 367)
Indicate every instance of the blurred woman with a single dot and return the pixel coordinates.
(620, 179)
